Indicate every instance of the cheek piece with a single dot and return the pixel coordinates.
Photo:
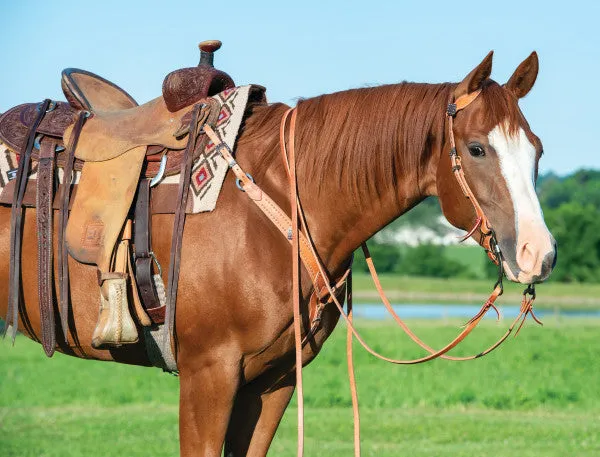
(487, 238)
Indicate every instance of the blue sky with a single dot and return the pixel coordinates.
(302, 49)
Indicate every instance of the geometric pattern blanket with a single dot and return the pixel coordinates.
(208, 170)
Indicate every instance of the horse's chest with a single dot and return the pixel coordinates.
(278, 355)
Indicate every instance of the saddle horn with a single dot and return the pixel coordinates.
(207, 52)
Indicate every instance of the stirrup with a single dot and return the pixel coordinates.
(115, 326)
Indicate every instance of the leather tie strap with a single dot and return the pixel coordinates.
(44, 198)
(16, 225)
(200, 115)
(178, 226)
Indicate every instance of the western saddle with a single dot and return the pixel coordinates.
(111, 151)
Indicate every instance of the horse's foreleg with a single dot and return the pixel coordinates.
(255, 417)
(207, 391)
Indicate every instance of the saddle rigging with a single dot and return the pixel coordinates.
(93, 159)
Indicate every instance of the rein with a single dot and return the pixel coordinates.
(295, 229)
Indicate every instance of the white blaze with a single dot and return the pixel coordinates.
(516, 156)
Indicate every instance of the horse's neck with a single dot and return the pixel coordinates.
(349, 200)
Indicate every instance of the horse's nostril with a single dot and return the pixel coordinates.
(549, 262)
(527, 258)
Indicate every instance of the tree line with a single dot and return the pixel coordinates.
(571, 205)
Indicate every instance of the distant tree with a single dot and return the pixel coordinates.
(386, 256)
(582, 186)
(429, 260)
(576, 227)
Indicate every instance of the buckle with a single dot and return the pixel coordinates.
(452, 109)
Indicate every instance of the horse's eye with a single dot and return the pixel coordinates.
(476, 150)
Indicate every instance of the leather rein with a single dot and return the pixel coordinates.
(325, 292)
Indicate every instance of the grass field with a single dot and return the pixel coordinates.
(472, 287)
(462, 291)
(538, 395)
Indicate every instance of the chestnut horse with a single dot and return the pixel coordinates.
(364, 157)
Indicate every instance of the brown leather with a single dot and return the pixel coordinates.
(89, 92)
(111, 133)
(186, 86)
(63, 216)
(16, 222)
(104, 195)
(142, 254)
(44, 211)
(200, 114)
(487, 238)
(15, 124)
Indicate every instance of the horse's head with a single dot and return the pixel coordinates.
(499, 157)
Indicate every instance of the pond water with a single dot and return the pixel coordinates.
(437, 311)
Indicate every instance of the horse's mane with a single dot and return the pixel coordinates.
(366, 139)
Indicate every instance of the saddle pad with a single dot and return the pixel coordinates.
(209, 168)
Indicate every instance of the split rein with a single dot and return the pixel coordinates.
(295, 229)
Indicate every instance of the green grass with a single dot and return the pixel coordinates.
(472, 258)
(458, 290)
(535, 396)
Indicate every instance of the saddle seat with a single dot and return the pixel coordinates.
(109, 134)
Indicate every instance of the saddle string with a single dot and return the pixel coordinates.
(200, 113)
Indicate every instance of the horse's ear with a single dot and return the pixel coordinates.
(475, 79)
(522, 80)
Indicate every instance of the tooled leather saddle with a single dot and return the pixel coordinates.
(109, 151)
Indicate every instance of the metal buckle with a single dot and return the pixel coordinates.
(158, 267)
(238, 182)
(37, 142)
(161, 171)
(452, 109)
(51, 106)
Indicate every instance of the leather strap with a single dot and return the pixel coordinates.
(45, 194)
(16, 226)
(143, 254)
(487, 238)
(63, 216)
(350, 363)
(296, 286)
(200, 113)
(525, 309)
